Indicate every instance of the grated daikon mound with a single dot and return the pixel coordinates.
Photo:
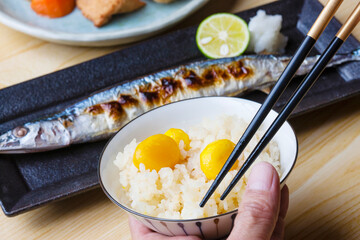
(265, 33)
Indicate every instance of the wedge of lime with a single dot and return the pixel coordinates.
(222, 35)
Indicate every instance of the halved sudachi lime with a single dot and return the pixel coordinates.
(222, 35)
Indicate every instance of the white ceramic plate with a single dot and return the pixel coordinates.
(75, 29)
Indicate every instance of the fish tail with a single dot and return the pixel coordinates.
(338, 59)
(346, 57)
(356, 54)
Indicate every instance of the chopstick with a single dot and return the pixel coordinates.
(299, 93)
(318, 27)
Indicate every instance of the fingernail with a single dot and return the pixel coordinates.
(261, 176)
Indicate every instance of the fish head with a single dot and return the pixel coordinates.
(34, 137)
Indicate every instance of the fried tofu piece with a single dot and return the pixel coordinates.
(100, 11)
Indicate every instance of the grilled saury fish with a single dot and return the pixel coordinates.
(105, 112)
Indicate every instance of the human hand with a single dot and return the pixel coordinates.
(261, 212)
(263, 208)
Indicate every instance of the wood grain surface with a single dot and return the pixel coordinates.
(324, 185)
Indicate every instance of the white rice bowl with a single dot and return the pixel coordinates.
(176, 193)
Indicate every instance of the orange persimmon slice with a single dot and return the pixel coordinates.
(53, 8)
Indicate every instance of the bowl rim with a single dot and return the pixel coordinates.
(129, 210)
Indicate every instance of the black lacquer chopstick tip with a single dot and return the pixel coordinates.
(303, 50)
(295, 99)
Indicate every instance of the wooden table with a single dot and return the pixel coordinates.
(324, 186)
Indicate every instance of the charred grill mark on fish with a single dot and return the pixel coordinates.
(169, 87)
(95, 110)
(127, 101)
(213, 74)
(160, 92)
(225, 75)
(113, 109)
(67, 121)
(150, 96)
(238, 70)
(192, 80)
(105, 112)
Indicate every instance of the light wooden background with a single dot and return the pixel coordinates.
(324, 186)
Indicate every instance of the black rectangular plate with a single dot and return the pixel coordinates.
(31, 180)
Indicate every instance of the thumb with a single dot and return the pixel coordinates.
(259, 208)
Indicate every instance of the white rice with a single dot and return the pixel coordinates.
(176, 193)
(265, 33)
